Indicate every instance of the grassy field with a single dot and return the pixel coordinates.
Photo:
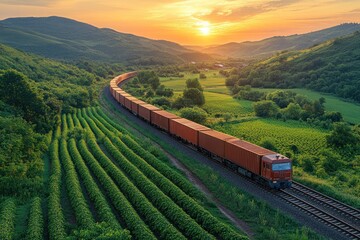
(214, 84)
(349, 110)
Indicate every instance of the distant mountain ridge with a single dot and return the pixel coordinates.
(269, 46)
(63, 38)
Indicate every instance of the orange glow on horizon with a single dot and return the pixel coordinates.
(195, 22)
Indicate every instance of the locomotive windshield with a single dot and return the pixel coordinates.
(281, 166)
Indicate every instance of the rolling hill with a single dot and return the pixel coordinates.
(331, 67)
(67, 39)
(269, 46)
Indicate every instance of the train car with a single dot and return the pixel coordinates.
(117, 92)
(186, 130)
(263, 165)
(276, 171)
(122, 98)
(128, 101)
(145, 111)
(161, 119)
(135, 106)
(213, 142)
(246, 155)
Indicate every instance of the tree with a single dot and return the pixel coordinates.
(194, 83)
(194, 114)
(330, 161)
(293, 111)
(341, 136)
(195, 96)
(265, 108)
(18, 91)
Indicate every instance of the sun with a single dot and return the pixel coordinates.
(204, 31)
(204, 28)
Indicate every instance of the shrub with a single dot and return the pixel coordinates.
(194, 114)
(265, 108)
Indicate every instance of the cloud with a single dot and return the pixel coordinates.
(244, 12)
(28, 3)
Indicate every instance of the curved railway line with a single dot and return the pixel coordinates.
(331, 212)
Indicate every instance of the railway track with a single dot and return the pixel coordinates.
(331, 212)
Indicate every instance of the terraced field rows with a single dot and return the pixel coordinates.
(104, 183)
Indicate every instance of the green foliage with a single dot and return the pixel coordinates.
(194, 96)
(102, 208)
(268, 144)
(266, 108)
(100, 231)
(193, 83)
(21, 166)
(292, 111)
(7, 219)
(330, 161)
(132, 220)
(17, 91)
(161, 101)
(331, 67)
(56, 218)
(194, 114)
(36, 221)
(78, 202)
(341, 136)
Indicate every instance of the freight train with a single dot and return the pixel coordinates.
(263, 165)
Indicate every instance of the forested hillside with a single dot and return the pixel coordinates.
(33, 91)
(331, 67)
(269, 46)
(62, 38)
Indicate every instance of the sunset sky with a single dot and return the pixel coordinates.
(195, 22)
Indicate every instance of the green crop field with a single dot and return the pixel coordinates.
(283, 134)
(101, 174)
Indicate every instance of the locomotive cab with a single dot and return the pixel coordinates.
(276, 169)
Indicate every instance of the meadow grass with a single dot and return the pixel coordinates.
(350, 111)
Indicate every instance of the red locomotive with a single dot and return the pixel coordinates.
(263, 165)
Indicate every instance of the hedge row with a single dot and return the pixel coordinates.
(7, 219)
(154, 219)
(35, 227)
(133, 222)
(56, 217)
(172, 211)
(78, 202)
(102, 208)
(194, 209)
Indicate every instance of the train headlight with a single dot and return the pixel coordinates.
(274, 181)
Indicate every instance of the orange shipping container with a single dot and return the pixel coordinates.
(214, 142)
(128, 101)
(145, 111)
(162, 119)
(245, 154)
(135, 105)
(187, 130)
(122, 98)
